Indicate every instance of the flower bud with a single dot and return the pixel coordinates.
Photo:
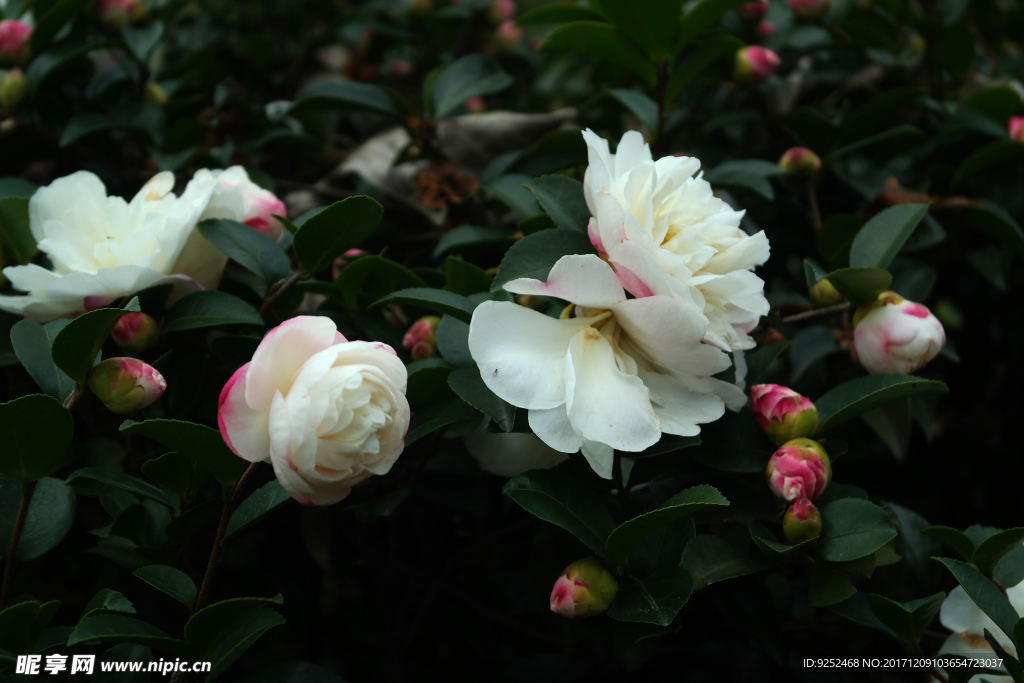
(584, 589)
(782, 413)
(12, 90)
(801, 162)
(126, 384)
(1016, 128)
(754, 64)
(508, 34)
(400, 68)
(893, 335)
(15, 41)
(136, 332)
(824, 294)
(802, 522)
(809, 10)
(155, 93)
(502, 10)
(345, 259)
(114, 14)
(475, 105)
(765, 29)
(421, 339)
(800, 469)
(752, 11)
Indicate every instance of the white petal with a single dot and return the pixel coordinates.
(552, 426)
(508, 455)
(582, 279)
(600, 456)
(280, 355)
(680, 410)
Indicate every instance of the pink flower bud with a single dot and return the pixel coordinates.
(508, 34)
(1016, 128)
(800, 161)
(421, 339)
(475, 105)
(765, 29)
(893, 335)
(116, 13)
(400, 68)
(782, 413)
(502, 10)
(136, 332)
(15, 45)
(754, 64)
(809, 9)
(126, 384)
(344, 260)
(752, 11)
(260, 212)
(800, 469)
(802, 521)
(824, 293)
(12, 90)
(585, 589)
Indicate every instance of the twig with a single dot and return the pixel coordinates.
(812, 197)
(73, 397)
(272, 299)
(820, 311)
(12, 552)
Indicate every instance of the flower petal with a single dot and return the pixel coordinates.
(552, 426)
(582, 279)
(600, 456)
(281, 353)
(245, 431)
(680, 410)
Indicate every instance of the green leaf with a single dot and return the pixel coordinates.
(78, 343)
(221, 632)
(349, 96)
(761, 360)
(508, 188)
(209, 309)
(371, 277)
(858, 396)
(860, 286)
(11, 186)
(437, 300)
(770, 545)
(836, 236)
(562, 198)
(702, 16)
(1012, 665)
(174, 582)
(747, 174)
(124, 629)
(601, 40)
(642, 106)
(534, 255)
(470, 387)
(984, 594)
(440, 415)
(258, 505)
(554, 497)
(16, 237)
(251, 249)
(984, 157)
(654, 600)
(709, 51)
(51, 513)
(826, 587)
(145, 118)
(203, 445)
(44, 66)
(107, 600)
(712, 558)
(876, 112)
(22, 624)
(123, 481)
(992, 549)
(32, 343)
(173, 471)
(334, 230)
(558, 14)
(37, 431)
(470, 76)
(142, 39)
(471, 236)
(379, 507)
(653, 28)
(464, 278)
(907, 619)
(810, 345)
(995, 222)
(628, 534)
(852, 528)
(882, 237)
(52, 21)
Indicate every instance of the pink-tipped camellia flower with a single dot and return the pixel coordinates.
(754, 64)
(421, 338)
(585, 589)
(326, 411)
(15, 41)
(809, 9)
(782, 413)
(260, 205)
(800, 161)
(116, 13)
(802, 521)
(800, 469)
(1015, 128)
(136, 332)
(894, 335)
(125, 384)
(752, 11)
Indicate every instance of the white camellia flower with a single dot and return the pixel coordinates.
(615, 374)
(962, 615)
(663, 230)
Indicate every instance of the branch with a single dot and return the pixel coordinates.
(272, 299)
(12, 552)
(821, 311)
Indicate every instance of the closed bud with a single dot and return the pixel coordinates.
(765, 28)
(752, 11)
(754, 64)
(508, 34)
(1015, 128)
(15, 41)
(114, 14)
(801, 162)
(475, 105)
(585, 589)
(345, 259)
(894, 335)
(126, 384)
(421, 338)
(782, 413)
(809, 10)
(824, 294)
(12, 89)
(802, 522)
(136, 332)
(155, 93)
(800, 469)
(502, 10)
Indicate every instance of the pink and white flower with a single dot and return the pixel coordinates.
(800, 469)
(782, 413)
(327, 412)
(260, 206)
(894, 335)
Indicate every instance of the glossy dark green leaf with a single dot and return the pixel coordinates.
(334, 230)
(470, 387)
(652, 29)
(171, 581)
(37, 431)
(915, 546)
(173, 471)
(79, 342)
(204, 445)
(349, 95)
(852, 528)
(437, 416)
(835, 237)
(604, 41)
(984, 157)
(554, 497)
(746, 174)
(771, 546)
(251, 249)
(122, 481)
(51, 513)
(984, 594)
(701, 17)
(1010, 663)
(642, 106)
(437, 300)
(144, 118)
(52, 20)
(995, 222)
(372, 277)
(471, 236)
(33, 343)
(534, 255)
(993, 548)
(46, 64)
(654, 600)
(629, 533)
(258, 505)
(122, 629)
(905, 133)
(107, 600)
(142, 39)
(882, 237)
(760, 360)
(711, 559)
(558, 14)
(208, 309)
(860, 286)
(856, 397)
(907, 619)
(470, 76)
(462, 277)
(811, 345)
(16, 238)
(557, 151)
(716, 47)
(562, 198)
(668, 443)
(508, 188)
(222, 632)
(22, 624)
(827, 587)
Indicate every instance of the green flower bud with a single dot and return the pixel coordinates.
(802, 521)
(125, 384)
(12, 90)
(824, 294)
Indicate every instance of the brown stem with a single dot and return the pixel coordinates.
(229, 507)
(12, 552)
(272, 299)
(73, 397)
(821, 311)
(812, 197)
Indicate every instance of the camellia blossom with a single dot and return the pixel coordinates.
(260, 205)
(664, 232)
(326, 411)
(960, 614)
(754, 64)
(612, 373)
(1015, 128)
(894, 335)
(782, 413)
(800, 469)
(801, 522)
(585, 589)
(136, 332)
(126, 384)
(15, 41)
